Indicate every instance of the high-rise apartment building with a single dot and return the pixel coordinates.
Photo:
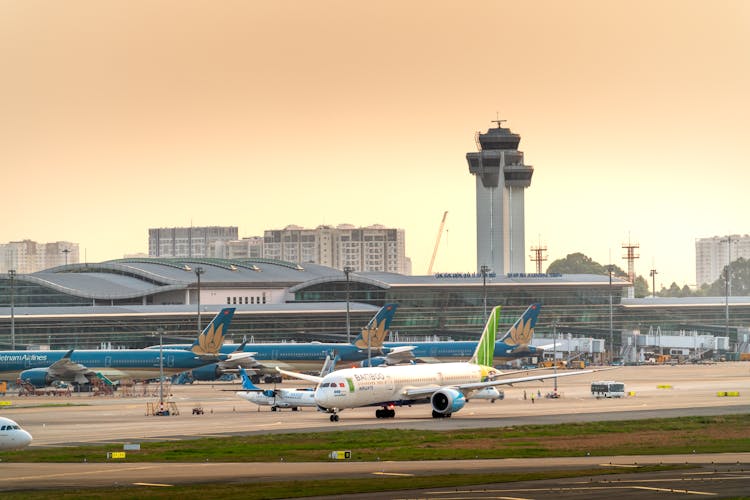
(209, 241)
(29, 256)
(713, 254)
(372, 248)
(501, 178)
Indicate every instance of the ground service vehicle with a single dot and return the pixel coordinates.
(607, 389)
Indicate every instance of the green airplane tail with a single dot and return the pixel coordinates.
(486, 347)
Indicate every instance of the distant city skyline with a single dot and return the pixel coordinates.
(118, 118)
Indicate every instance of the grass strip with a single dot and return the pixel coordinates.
(714, 434)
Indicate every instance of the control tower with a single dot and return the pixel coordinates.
(501, 180)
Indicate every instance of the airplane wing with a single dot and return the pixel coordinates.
(301, 376)
(240, 359)
(67, 369)
(419, 392)
(401, 354)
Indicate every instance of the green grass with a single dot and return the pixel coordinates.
(647, 437)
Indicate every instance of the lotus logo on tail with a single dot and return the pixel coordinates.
(372, 337)
(523, 330)
(211, 339)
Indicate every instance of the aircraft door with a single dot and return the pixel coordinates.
(107, 361)
(170, 361)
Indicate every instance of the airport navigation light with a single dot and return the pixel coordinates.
(198, 272)
(484, 270)
(12, 276)
(347, 270)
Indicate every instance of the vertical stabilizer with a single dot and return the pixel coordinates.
(373, 335)
(522, 331)
(247, 384)
(486, 346)
(210, 340)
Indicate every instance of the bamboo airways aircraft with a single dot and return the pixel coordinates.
(445, 386)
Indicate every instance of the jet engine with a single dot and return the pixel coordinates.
(446, 401)
(38, 377)
(208, 372)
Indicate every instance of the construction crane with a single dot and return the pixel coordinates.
(437, 242)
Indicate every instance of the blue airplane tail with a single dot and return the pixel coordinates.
(247, 384)
(210, 340)
(522, 331)
(373, 335)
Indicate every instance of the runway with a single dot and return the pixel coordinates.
(658, 391)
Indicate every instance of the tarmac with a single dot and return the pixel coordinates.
(654, 391)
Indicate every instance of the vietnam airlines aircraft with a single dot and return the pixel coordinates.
(41, 368)
(514, 344)
(12, 436)
(445, 386)
(262, 359)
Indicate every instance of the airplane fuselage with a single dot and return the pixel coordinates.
(115, 364)
(462, 350)
(355, 387)
(12, 436)
(281, 398)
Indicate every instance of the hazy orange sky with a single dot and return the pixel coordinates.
(120, 116)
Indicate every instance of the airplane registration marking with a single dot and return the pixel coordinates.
(392, 474)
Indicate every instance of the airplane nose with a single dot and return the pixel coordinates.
(25, 439)
(321, 398)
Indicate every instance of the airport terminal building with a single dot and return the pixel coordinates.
(123, 303)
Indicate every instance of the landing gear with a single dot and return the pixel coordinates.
(385, 413)
(436, 414)
(334, 418)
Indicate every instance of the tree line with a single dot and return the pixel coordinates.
(739, 278)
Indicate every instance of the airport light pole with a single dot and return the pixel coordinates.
(484, 270)
(653, 282)
(554, 351)
(347, 270)
(160, 331)
(12, 276)
(611, 331)
(66, 252)
(198, 272)
(727, 288)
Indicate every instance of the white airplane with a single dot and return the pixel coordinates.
(446, 386)
(12, 437)
(275, 398)
(282, 398)
(491, 393)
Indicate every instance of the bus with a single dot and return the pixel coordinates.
(608, 389)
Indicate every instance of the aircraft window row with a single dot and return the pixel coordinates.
(10, 428)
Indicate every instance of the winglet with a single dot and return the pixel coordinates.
(377, 329)
(210, 340)
(523, 329)
(486, 347)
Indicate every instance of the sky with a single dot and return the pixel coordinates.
(117, 117)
